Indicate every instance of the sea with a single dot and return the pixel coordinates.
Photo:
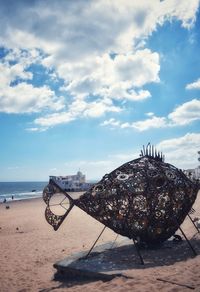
(10, 191)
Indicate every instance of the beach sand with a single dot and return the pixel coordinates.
(29, 248)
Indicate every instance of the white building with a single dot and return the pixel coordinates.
(193, 173)
(75, 182)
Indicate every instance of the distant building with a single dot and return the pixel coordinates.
(72, 183)
(193, 173)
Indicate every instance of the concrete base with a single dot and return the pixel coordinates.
(107, 262)
(103, 263)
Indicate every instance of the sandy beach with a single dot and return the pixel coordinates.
(30, 247)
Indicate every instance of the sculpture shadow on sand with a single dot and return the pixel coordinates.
(119, 260)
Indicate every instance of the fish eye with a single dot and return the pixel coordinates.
(122, 176)
(98, 188)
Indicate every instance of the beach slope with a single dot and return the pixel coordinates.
(30, 247)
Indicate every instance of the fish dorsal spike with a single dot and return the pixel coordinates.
(144, 151)
(151, 151)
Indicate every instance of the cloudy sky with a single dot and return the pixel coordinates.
(84, 84)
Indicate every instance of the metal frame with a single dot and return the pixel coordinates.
(145, 199)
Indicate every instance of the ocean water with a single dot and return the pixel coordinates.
(21, 190)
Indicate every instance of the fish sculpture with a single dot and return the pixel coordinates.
(145, 199)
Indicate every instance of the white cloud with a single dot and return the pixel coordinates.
(186, 113)
(182, 10)
(10, 73)
(36, 129)
(24, 98)
(150, 114)
(181, 151)
(182, 115)
(77, 109)
(98, 108)
(18, 96)
(83, 29)
(153, 122)
(108, 25)
(111, 122)
(139, 68)
(94, 46)
(194, 85)
(54, 119)
(117, 78)
(23, 57)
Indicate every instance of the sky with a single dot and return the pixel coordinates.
(84, 84)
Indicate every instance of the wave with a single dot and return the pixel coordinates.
(20, 196)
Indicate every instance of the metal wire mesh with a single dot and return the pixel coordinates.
(144, 199)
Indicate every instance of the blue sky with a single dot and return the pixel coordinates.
(84, 84)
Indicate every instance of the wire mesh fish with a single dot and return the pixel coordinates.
(145, 199)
